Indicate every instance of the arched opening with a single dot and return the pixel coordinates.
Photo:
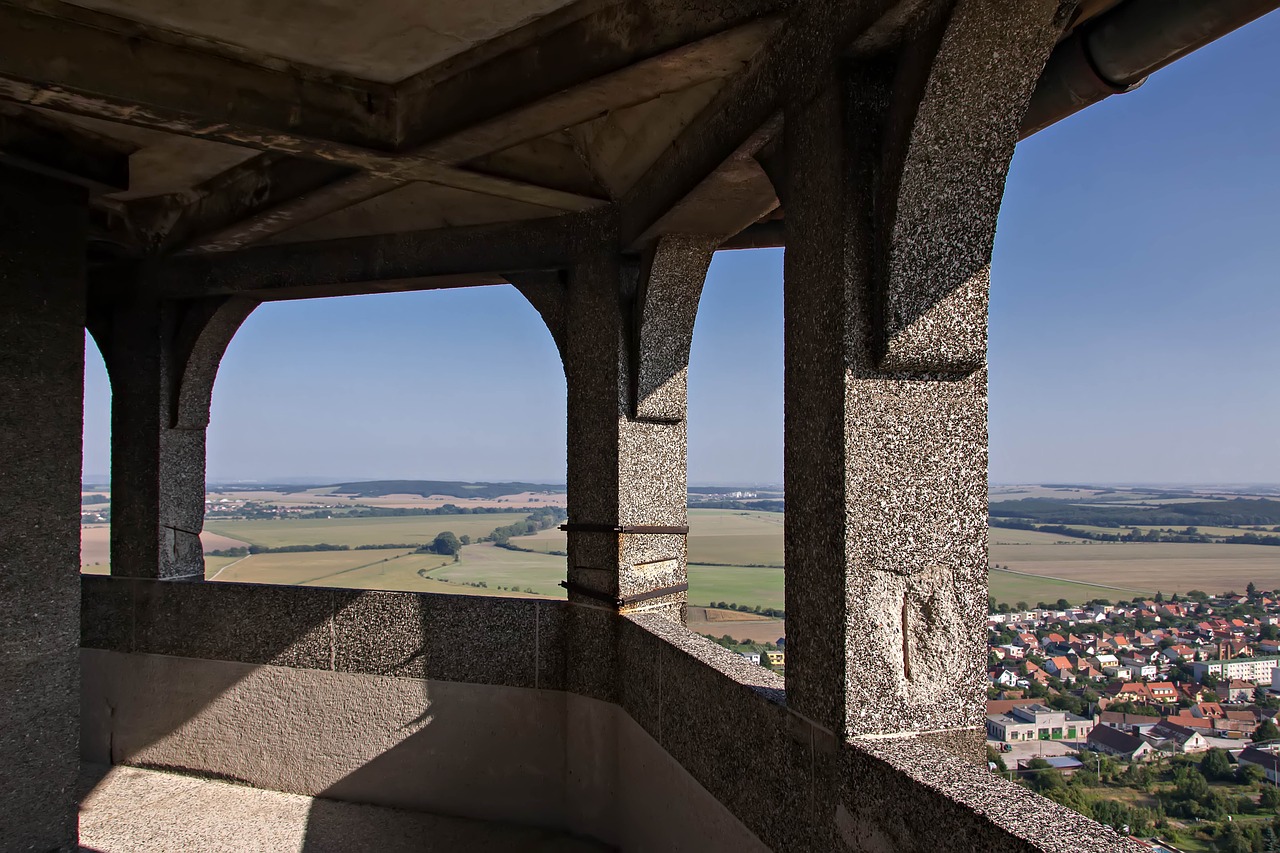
(95, 494)
(735, 455)
(1132, 352)
(410, 441)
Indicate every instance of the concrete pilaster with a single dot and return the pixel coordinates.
(162, 358)
(627, 331)
(43, 226)
(894, 176)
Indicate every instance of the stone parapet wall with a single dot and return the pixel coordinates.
(647, 736)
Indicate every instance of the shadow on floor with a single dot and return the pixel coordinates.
(130, 810)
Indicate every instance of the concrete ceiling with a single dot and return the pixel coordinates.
(383, 41)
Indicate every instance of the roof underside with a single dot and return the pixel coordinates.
(211, 127)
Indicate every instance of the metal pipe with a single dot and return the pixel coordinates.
(1115, 52)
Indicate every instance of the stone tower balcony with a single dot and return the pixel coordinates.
(166, 168)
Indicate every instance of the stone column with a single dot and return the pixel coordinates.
(162, 357)
(894, 174)
(43, 227)
(624, 327)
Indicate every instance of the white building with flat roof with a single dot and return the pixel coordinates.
(1257, 670)
(1037, 722)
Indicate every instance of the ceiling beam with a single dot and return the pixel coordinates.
(593, 47)
(109, 67)
(357, 264)
(716, 56)
(105, 67)
(810, 41)
(175, 221)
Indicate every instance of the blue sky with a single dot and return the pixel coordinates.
(1134, 311)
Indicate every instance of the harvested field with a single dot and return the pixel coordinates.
(1169, 567)
(418, 529)
(95, 545)
(740, 626)
(1008, 536)
(1012, 587)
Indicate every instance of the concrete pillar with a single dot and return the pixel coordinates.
(894, 174)
(162, 357)
(43, 227)
(624, 328)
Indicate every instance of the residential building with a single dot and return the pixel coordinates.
(1172, 737)
(1037, 722)
(1134, 724)
(1266, 757)
(1122, 744)
(1256, 669)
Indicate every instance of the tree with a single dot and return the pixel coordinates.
(464, 539)
(1063, 604)
(1250, 774)
(995, 758)
(1159, 596)
(1251, 590)
(1266, 731)
(1216, 765)
(1021, 605)
(446, 543)
(1270, 795)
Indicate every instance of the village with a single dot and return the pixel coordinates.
(1128, 692)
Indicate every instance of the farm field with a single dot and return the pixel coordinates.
(736, 585)
(1012, 587)
(324, 497)
(95, 546)
(378, 569)
(1207, 530)
(501, 567)
(722, 543)
(1168, 567)
(1008, 536)
(721, 537)
(740, 626)
(417, 529)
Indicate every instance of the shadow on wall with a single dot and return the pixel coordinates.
(393, 699)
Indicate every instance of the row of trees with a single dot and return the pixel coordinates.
(771, 612)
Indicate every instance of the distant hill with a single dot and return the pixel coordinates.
(1232, 512)
(426, 488)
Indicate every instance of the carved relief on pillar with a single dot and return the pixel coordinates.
(894, 175)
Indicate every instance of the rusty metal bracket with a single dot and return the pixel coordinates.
(582, 527)
(623, 601)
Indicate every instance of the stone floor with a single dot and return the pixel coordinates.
(127, 810)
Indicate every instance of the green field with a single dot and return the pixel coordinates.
(500, 567)
(736, 585)
(418, 529)
(722, 544)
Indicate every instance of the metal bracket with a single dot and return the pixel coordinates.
(581, 527)
(623, 601)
